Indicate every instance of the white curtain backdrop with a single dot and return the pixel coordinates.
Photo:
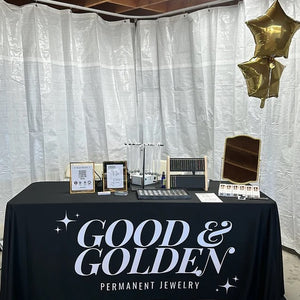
(67, 93)
(192, 96)
(74, 87)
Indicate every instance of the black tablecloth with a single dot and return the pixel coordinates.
(85, 246)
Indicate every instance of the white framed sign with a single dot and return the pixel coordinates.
(115, 176)
(82, 177)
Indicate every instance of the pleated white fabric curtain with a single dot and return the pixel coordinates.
(68, 92)
(193, 96)
(74, 87)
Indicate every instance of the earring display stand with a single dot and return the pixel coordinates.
(138, 154)
(188, 173)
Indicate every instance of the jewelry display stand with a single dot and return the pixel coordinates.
(144, 165)
(188, 173)
(240, 167)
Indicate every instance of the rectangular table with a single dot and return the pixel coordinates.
(85, 246)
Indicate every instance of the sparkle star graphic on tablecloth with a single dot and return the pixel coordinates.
(66, 220)
(227, 286)
(57, 229)
(235, 278)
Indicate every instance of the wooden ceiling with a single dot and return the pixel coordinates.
(132, 7)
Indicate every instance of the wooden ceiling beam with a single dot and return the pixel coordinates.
(141, 7)
(154, 8)
(125, 3)
(129, 3)
(123, 9)
(157, 8)
(174, 5)
(91, 3)
(160, 7)
(142, 3)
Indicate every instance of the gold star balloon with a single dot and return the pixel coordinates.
(273, 32)
(262, 77)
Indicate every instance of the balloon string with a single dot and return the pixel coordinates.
(270, 77)
(262, 103)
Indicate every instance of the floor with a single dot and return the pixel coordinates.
(291, 269)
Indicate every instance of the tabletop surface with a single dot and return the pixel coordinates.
(59, 192)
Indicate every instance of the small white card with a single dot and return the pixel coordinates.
(208, 197)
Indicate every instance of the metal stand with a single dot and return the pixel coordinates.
(144, 156)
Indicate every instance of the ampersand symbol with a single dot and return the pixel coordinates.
(212, 236)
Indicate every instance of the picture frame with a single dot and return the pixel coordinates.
(82, 177)
(114, 176)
